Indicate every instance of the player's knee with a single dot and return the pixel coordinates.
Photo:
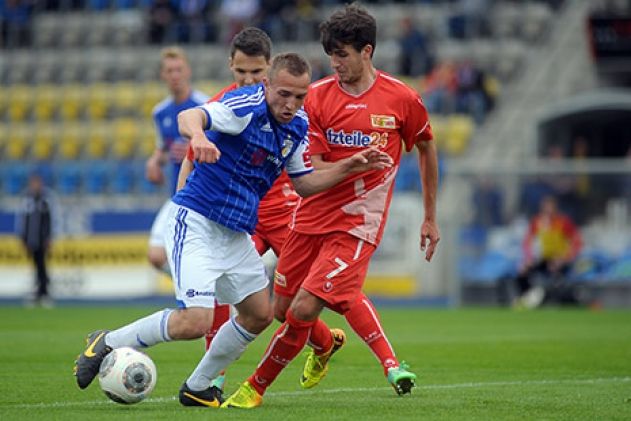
(255, 322)
(280, 309)
(190, 323)
(279, 314)
(306, 306)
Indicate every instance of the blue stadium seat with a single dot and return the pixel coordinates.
(15, 176)
(408, 178)
(45, 170)
(488, 268)
(590, 266)
(620, 270)
(95, 177)
(123, 177)
(68, 177)
(98, 4)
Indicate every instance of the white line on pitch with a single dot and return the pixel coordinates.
(352, 390)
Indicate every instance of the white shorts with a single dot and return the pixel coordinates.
(209, 261)
(159, 227)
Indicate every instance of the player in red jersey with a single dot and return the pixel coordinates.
(326, 255)
(250, 55)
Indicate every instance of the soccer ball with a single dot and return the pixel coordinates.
(127, 376)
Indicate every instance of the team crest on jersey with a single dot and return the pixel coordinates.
(287, 145)
(383, 121)
(279, 279)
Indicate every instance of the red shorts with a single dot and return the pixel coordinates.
(268, 236)
(330, 266)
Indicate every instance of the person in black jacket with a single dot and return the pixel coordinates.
(35, 233)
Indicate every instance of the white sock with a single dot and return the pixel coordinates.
(142, 333)
(227, 346)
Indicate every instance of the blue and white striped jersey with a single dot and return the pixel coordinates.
(254, 150)
(165, 119)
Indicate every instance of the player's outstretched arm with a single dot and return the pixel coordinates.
(322, 179)
(428, 161)
(191, 124)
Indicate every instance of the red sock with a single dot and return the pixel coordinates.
(286, 343)
(221, 316)
(320, 338)
(364, 320)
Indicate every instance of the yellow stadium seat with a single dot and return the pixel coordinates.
(492, 86)
(43, 143)
(99, 101)
(125, 138)
(147, 142)
(127, 98)
(46, 102)
(4, 100)
(73, 99)
(4, 132)
(460, 130)
(97, 142)
(153, 93)
(70, 142)
(439, 129)
(17, 142)
(20, 102)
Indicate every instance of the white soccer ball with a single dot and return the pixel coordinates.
(127, 376)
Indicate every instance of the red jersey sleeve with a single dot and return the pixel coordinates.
(221, 93)
(317, 138)
(416, 127)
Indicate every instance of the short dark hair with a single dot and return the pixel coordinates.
(252, 42)
(352, 25)
(294, 63)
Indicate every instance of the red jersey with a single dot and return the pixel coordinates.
(552, 237)
(221, 93)
(277, 206)
(389, 115)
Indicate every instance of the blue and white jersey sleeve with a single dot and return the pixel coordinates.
(300, 162)
(221, 118)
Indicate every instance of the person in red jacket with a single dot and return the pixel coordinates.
(551, 245)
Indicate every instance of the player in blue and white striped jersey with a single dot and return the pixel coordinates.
(252, 134)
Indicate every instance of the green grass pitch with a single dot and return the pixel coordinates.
(472, 364)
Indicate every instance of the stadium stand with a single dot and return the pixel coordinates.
(80, 96)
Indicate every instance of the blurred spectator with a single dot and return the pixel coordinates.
(470, 19)
(161, 20)
(15, 23)
(193, 24)
(238, 14)
(488, 203)
(271, 19)
(35, 231)
(439, 89)
(471, 95)
(416, 57)
(306, 21)
(551, 245)
(563, 185)
(582, 180)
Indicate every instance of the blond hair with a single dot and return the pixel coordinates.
(173, 52)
